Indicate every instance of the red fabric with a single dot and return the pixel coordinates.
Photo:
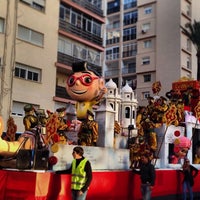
(18, 185)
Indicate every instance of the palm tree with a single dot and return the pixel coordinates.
(192, 31)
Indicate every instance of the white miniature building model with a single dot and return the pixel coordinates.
(128, 107)
(124, 104)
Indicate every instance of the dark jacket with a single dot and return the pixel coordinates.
(147, 174)
(190, 174)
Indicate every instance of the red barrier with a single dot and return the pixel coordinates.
(107, 185)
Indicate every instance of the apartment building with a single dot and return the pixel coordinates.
(40, 40)
(144, 44)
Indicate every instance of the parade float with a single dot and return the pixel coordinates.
(114, 132)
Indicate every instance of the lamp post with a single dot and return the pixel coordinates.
(130, 128)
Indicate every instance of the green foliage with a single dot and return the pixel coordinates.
(192, 31)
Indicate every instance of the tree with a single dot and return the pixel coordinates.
(192, 31)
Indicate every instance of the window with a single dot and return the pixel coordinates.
(129, 34)
(148, 10)
(145, 27)
(112, 37)
(188, 62)
(130, 18)
(132, 68)
(146, 60)
(65, 46)
(80, 20)
(36, 4)
(18, 108)
(113, 6)
(27, 72)
(147, 78)
(65, 13)
(116, 24)
(127, 112)
(129, 4)
(147, 44)
(96, 29)
(145, 95)
(188, 44)
(31, 36)
(129, 50)
(112, 53)
(96, 3)
(2, 21)
(93, 57)
(79, 51)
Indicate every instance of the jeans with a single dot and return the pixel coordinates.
(187, 187)
(146, 191)
(76, 196)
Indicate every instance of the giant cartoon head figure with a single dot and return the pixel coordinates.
(86, 87)
(181, 147)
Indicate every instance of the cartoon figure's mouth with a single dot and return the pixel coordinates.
(79, 91)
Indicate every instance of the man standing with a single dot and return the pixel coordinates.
(190, 172)
(81, 174)
(147, 176)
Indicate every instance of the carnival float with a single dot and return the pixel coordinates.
(113, 129)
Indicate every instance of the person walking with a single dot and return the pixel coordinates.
(147, 176)
(81, 171)
(190, 172)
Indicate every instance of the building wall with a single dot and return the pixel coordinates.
(170, 57)
(40, 57)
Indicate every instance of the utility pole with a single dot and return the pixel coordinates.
(3, 70)
(8, 59)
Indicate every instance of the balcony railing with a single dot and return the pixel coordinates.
(113, 10)
(65, 26)
(130, 5)
(113, 41)
(68, 60)
(89, 6)
(128, 70)
(129, 53)
(114, 72)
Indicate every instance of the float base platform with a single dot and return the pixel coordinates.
(106, 185)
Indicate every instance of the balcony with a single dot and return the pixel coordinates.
(68, 60)
(111, 73)
(112, 10)
(130, 5)
(128, 70)
(67, 27)
(129, 53)
(89, 6)
(113, 41)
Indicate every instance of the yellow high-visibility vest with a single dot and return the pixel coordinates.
(78, 175)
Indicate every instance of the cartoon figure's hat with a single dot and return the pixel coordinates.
(80, 66)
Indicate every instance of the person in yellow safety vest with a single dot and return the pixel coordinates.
(81, 171)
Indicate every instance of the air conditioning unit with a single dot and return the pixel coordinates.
(143, 31)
